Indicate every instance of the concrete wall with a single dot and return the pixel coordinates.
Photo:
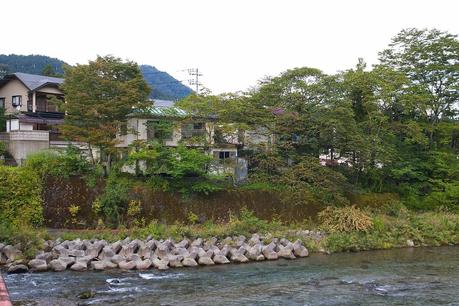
(14, 88)
(22, 143)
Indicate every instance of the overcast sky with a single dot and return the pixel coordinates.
(234, 43)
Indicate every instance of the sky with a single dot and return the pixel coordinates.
(233, 43)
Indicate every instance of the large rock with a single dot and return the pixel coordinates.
(116, 246)
(162, 250)
(255, 239)
(38, 265)
(67, 260)
(197, 243)
(260, 257)
(46, 256)
(161, 264)
(254, 252)
(189, 262)
(238, 257)
(143, 264)
(94, 250)
(175, 261)
(117, 259)
(57, 265)
(224, 251)
(79, 266)
(270, 255)
(220, 259)
(182, 244)
(3, 258)
(205, 261)
(127, 265)
(109, 265)
(11, 253)
(286, 253)
(75, 253)
(14, 269)
(98, 265)
(210, 243)
(299, 250)
(60, 250)
(107, 253)
(145, 252)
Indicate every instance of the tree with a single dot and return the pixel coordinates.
(4, 70)
(430, 60)
(98, 98)
(49, 70)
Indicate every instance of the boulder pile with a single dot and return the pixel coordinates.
(127, 254)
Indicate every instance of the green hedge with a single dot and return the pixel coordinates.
(20, 196)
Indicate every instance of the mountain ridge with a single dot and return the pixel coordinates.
(164, 86)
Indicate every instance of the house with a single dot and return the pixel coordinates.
(165, 122)
(32, 117)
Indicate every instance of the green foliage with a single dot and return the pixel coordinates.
(115, 199)
(308, 182)
(344, 219)
(63, 164)
(205, 187)
(30, 239)
(426, 229)
(20, 196)
(98, 98)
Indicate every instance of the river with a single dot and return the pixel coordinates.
(423, 276)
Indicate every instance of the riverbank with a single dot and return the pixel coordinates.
(169, 246)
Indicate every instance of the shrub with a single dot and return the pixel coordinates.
(114, 200)
(20, 196)
(308, 182)
(344, 219)
(29, 239)
(63, 164)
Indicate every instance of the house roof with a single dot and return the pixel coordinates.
(161, 108)
(32, 81)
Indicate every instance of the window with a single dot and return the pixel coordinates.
(190, 130)
(16, 101)
(224, 155)
(198, 126)
(2, 102)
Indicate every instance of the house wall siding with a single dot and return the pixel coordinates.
(14, 88)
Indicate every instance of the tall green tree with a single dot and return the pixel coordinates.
(98, 98)
(430, 60)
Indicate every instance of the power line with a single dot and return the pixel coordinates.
(194, 72)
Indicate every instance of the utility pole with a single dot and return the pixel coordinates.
(194, 72)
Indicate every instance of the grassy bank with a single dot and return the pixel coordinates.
(342, 230)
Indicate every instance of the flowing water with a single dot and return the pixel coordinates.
(425, 276)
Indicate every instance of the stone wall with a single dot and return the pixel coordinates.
(60, 194)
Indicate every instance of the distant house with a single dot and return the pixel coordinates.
(32, 118)
(185, 129)
(26, 98)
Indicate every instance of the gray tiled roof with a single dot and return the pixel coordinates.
(34, 81)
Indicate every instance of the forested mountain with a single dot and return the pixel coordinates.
(164, 85)
(34, 64)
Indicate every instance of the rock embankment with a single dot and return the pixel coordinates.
(127, 254)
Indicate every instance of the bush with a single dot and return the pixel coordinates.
(308, 182)
(20, 196)
(63, 164)
(29, 239)
(344, 219)
(114, 201)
